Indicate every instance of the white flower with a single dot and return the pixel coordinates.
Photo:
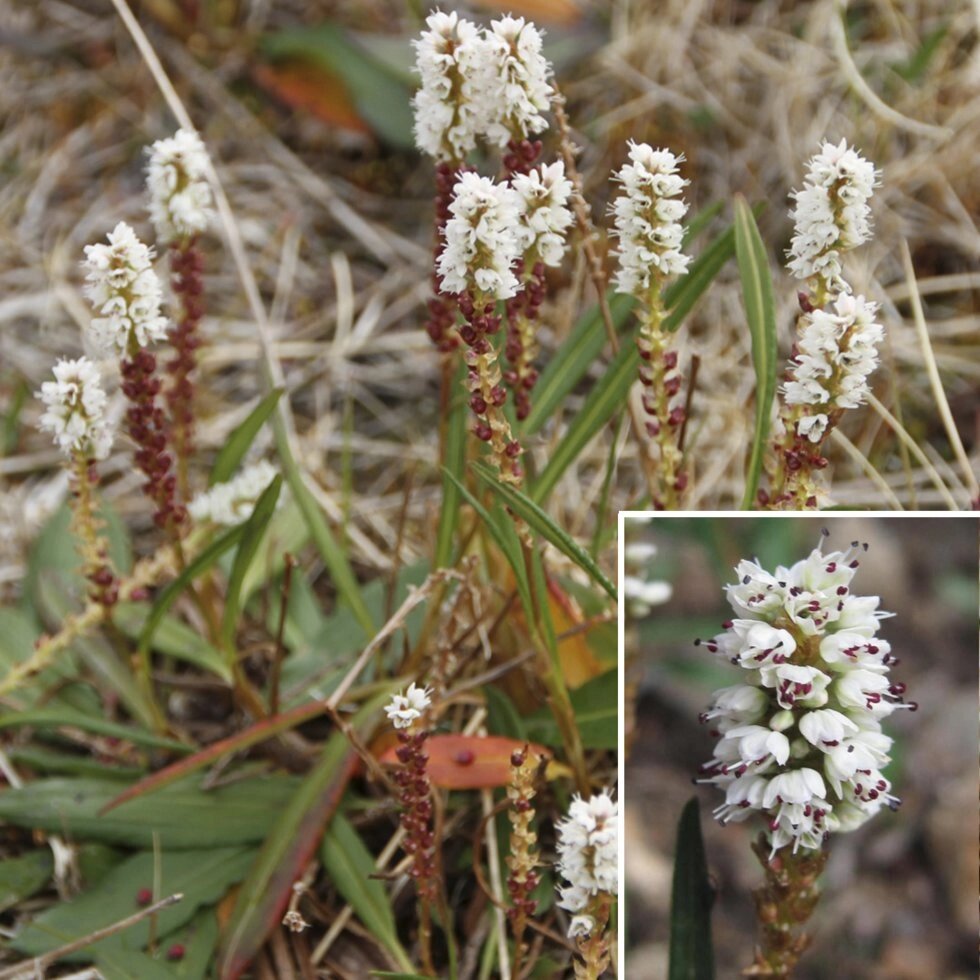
(642, 595)
(542, 199)
(448, 57)
(647, 218)
(812, 427)
(800, 740)
(75, 406)
(512, 81)
(122, 286)
(481, 239)
(588, 850)
(181, 205)
(232, 502)
(835, 355)
(407, 708)
(581, 925)
(831, 213)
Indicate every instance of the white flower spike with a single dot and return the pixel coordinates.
(405, 709)
(800, 740)
(448, 57)
(181, 205)
(232, 502)
(75, 405)
(588, 855)
(647, 218)
(832, 214)
(482, 242)
(512, 81)
(122, 286)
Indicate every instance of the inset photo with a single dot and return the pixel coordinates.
(800, 736)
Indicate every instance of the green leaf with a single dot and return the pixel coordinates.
(501, 528)
(332, 554)
(183, 816)
(290, 844)
(455, 459)
(578, 353)
(21, 877)
(596, 705)
(542, 523)
(67, 718)
(202, 877)
(503, 717)
(760, 313)
(691, 955)
(913, 70)
(380, 97)
(171, 637)
(349, 866)
(252, 532)
(69, 763)
(603, 400)
(681, 296)
(200, 564)
(232, 453)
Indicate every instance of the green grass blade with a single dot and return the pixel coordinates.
(200, 564)
(454, 462)
(691, 956)
(760, 313)
(290, 844)
(349, 866)
(501, 529)
(240, 441)
(253, 530)
(341, 574)
(66, 717)
(603, 400)
(681, 296)
(540, 522)
(578, 352)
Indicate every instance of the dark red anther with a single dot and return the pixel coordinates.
(670, 360)
(676, 416)
(143, 897)
(513, 449)
(176, 952)
(804, 300)
(483, 432)
(464, 757)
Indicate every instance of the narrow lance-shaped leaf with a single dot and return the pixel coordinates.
(753, 266)
(691, 956)
(254, 528)
(542, 523)
(455, 458)
(240, 441)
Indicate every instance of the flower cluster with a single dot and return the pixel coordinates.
(491, 84)
(588, 856)
(181, 205)
(405, 709)
(446, 105)
(513, 81)
(544, 217)
(232, 502)
(482, 244)
(122, 286)
(75, 404)
(800, 738)
(647, 218)
(835, 354)
(832, 213)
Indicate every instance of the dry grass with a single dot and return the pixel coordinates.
(336, 234)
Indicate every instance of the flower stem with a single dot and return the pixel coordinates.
(783, 904)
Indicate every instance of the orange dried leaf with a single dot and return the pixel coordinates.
(545, 11)
(311, 88)
(470, 761)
